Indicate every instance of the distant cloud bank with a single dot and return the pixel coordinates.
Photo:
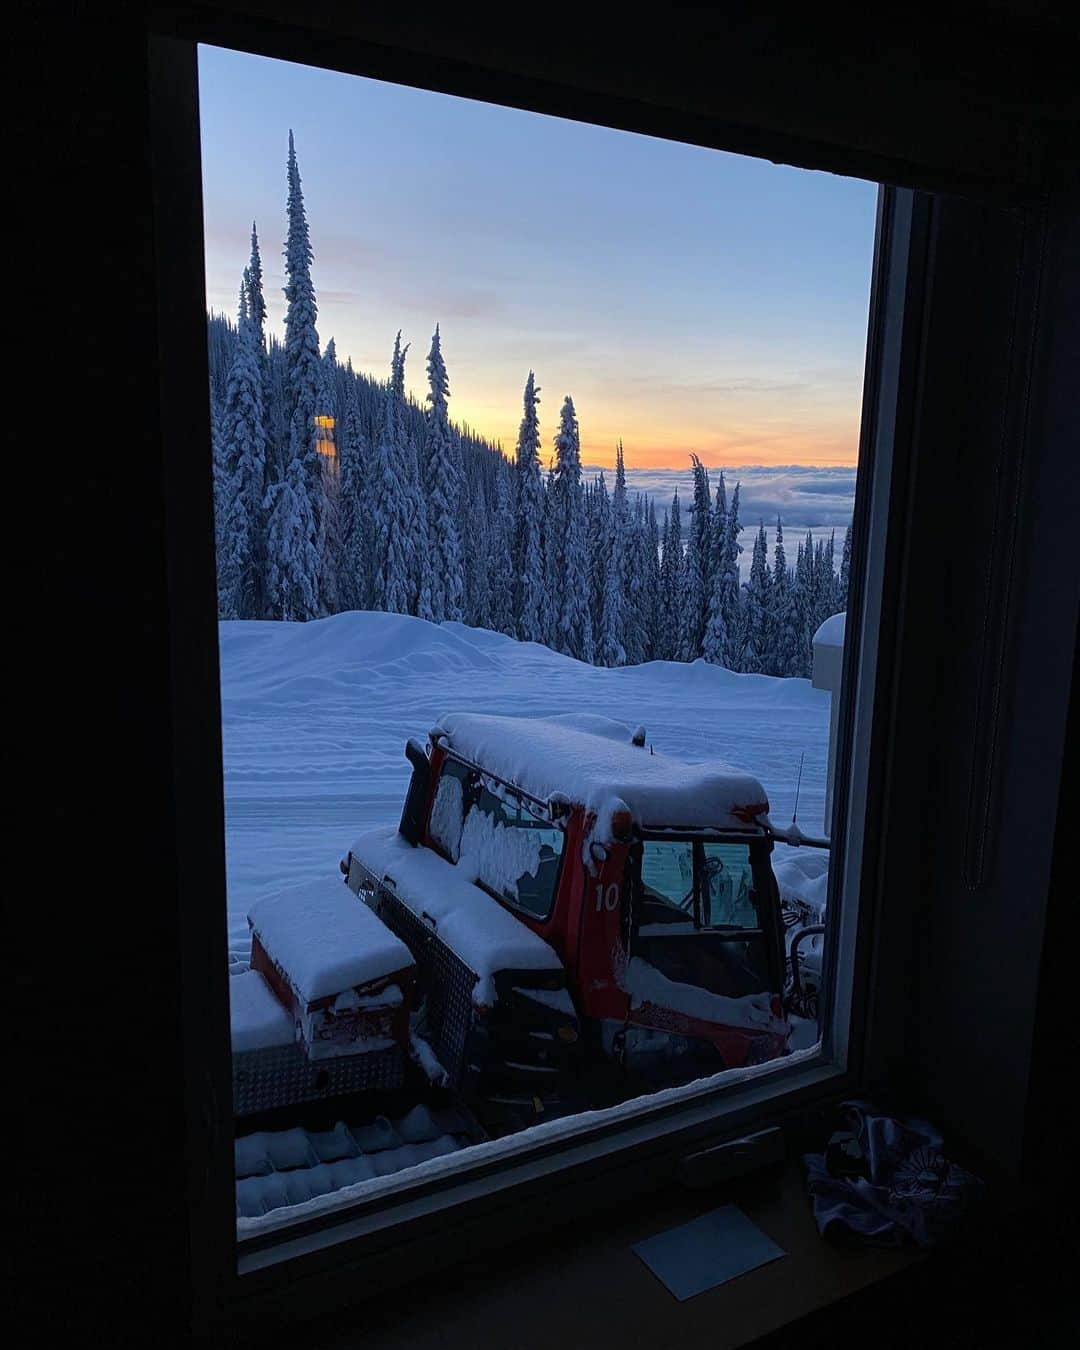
(802, 495)
(805, 497)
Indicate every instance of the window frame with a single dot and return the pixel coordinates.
(370, 1239)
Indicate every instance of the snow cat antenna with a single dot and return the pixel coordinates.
(798, 786)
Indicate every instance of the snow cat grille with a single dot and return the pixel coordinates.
(517, 1051)
(444, 983)
(283, 1075)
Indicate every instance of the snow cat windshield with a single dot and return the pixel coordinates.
(702, 913)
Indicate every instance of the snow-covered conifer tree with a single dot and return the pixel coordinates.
(715, 645)
(303, 369)
(651, 583)
(328, 543)
(756, 650)
(354, 576)
(242, 436)
(292, 579)
(609, 650)
(573, 623)
(697, 570)
(845, 572)
(732, 602)
(671, 583)
(804, 603)
(599, 544)
(784, 613)
(256, 299)
(390, 509)
(442, 491)
(529, 515)
(501, 569)
(225, 526)
(303, 366)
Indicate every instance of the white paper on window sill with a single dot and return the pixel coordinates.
(707, 1251)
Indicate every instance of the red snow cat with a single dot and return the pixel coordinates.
(588, 919)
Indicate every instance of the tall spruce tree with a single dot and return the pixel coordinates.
(731, 605)
(442, 476)
(671, 584)
(627, 545)
(390, 507)
(804, 603)
(303, 366)
(599, 546)
(354, 578)
(328, 544)
(651, 574)
(292, 579)
(784, 615)
(697, 569)
(529, 516)
(225, 527)
(501, 539)
(756, 649)
(715, 645)
(242, 434)
(573, 623)
(845, 572)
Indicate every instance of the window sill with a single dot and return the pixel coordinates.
(585, 1286)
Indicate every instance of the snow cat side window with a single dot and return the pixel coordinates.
(697, 916)
(516, 854)
(448, 808)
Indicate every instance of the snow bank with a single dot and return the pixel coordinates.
(831, 632)
(592, 763)
(803, 877)
(514, 1145)
(258, 1020)
(645, 984)
(324, 939)
(314, 717)
(486, 937)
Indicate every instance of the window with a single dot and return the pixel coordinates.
(581, 924)
(519, 853)
(513, 853)
(697, 919)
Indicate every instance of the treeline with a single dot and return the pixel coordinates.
(336, 491)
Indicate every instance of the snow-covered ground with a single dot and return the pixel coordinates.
(315, 717)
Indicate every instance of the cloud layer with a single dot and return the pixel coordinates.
(805, 497)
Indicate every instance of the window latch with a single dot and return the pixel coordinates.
(733, 1158)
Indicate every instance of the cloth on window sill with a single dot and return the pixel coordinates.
(886, 1180)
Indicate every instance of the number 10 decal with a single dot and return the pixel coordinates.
(607, 898)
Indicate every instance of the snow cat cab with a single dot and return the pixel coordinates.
(581, 910)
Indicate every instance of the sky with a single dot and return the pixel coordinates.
(689, 300)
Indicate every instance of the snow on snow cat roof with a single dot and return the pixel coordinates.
(592, 760)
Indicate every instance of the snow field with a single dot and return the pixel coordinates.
(315, 717)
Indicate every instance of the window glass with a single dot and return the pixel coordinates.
(694, 901)
(515, 853)
(448, 808)
(727, 887)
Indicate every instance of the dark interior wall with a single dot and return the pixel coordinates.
(104, 1178)
(974, 97)
(987, 634)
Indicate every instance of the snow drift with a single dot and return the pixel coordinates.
(315, 717)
